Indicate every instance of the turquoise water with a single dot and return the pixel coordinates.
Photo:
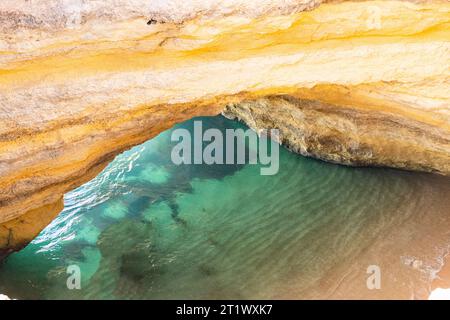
(148, 229)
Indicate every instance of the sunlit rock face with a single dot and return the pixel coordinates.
(363, 83)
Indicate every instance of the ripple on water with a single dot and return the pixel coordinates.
(145, 228)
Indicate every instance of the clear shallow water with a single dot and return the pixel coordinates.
(145, 228)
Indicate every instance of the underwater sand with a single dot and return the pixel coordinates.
(148, 229)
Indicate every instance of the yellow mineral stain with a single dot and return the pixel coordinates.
(331, 26)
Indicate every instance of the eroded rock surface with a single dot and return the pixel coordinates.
(344, 135)
(361, 83)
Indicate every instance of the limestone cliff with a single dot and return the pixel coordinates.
(360, 83)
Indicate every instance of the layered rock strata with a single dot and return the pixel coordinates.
(344, 135)
(360, 83)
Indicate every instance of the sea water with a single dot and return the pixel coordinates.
(146, 228)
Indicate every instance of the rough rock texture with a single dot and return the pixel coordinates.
(81, 81)
(344, 135)
(16, 233)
